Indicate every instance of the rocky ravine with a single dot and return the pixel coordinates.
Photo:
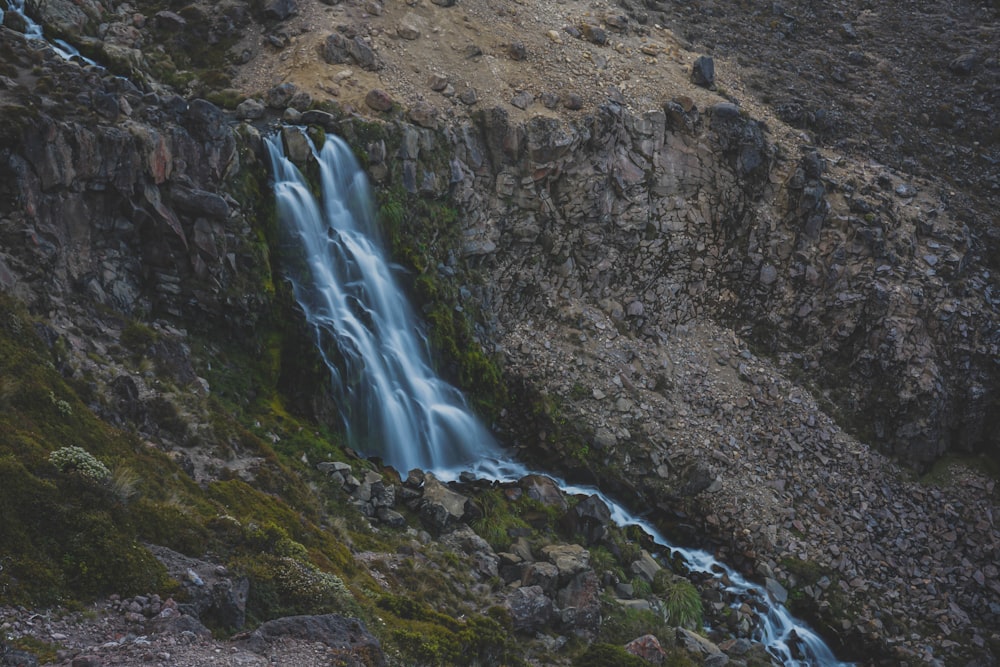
(674, 275)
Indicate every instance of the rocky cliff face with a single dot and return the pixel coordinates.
(861, 283)
(700, 314)
(660, 284)
(133, 214)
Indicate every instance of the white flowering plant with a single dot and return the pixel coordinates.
(78, 460)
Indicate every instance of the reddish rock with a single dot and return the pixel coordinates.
(648, 648)
(378, 100)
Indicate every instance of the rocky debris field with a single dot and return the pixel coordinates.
(773, 485)
(551, 591)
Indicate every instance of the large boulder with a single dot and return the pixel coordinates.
(579, 604)
(212, 594)
(441, 508)
(569, 559)
(589, 519)
(350, 640)
(530, 609)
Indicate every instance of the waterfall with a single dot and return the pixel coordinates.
(33, 31)
(393, 403)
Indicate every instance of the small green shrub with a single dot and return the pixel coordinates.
(608, 655)
(425, 636)
(285, 586)
(621, 624)
(493, 526)
(641, 587)
(681, 600)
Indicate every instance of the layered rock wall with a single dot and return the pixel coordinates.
(856, 281)
(135, 215)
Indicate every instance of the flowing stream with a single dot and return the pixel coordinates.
(393, 403)
(33, 31)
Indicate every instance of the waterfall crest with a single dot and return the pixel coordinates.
(392, 402)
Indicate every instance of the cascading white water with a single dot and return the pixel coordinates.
(33, 30)
(394, 405)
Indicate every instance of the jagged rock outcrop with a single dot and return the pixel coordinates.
(138, 215)
(711, 225)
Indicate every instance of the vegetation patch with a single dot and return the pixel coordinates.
(425, 637)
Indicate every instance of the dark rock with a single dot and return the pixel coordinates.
(697, 478)
(15, 21)
(522, 100)
(737, 646)
(199, 202)
(777, 592)
(444, 3)
(250, 109)
(544, 490)
(213, 596)
(503, 138)
(296, 147)
(477, 551)
(964, 64)
(167, 20)
(550, 100)
(363, 54)
(594, 34)
(440, 507)
(580, 604)
(572, 101)
(320, 118)
(173, 622)
(703, 72)
(437, 82)
(390, 517)
(280, 96)
(468, 96)
(338, 49)
(378, 100)
(11, 657)
(301, 100)
(517, 51)
(589, 519)
(724, 111)
(335, 49)
(530, 609)
(128, 407)
(106, 106)
(205, 121)
(350, 640)
(617, 22)
(545, 575)
(279, 10)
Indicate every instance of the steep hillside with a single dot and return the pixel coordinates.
(752, 297)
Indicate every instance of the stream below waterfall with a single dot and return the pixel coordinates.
(392, 402)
